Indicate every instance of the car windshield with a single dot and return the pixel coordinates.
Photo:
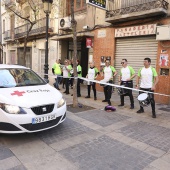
(16, 77)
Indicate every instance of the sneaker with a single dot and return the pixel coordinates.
(87, 97)
(104, 100)
(153, 116)
(64, 92)
(131, 107)
(121, 105)
(79, 95)
(95, 98)
(140, 111)
(109, 103)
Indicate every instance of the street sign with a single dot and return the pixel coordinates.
(98, 3)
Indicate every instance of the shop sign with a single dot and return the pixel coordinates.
(88, 43)
(101, 34)
(136, 30)
(97, 3)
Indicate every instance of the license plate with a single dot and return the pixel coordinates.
(43, 119)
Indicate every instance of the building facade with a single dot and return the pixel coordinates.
(130, 29)
(14, 31)
(126, 29)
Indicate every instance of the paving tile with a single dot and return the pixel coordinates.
(106, 153)
(166, 157)
(19, 167)
(32, 151)
(155, 136)
(66, 130)
(5, 153)
(102, 118)
(53, 161)
(160, 164)
(9, 163)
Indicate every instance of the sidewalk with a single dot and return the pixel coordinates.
(94, 140)
(161, 109)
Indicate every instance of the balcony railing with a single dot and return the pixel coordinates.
(153, 7)
(38, 28)
(8, 35)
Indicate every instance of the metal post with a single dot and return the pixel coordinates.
(46, 68)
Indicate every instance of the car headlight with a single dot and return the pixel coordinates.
(11, 109)
(61, 103)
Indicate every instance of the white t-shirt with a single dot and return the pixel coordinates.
(91, 74)
(107, 73)
(65, 72)
(146, 77)
(125, 73)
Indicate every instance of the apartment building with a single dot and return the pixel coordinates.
(130, 29)
(14, 30)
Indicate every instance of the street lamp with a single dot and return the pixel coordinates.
(47, 10)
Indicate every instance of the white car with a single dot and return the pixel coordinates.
(27, 102)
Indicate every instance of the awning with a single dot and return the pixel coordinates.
(70, 36)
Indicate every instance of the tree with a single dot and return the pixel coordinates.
(33, 5)
(74, 25)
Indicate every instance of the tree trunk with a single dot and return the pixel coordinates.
(74, 25)
(25, 43)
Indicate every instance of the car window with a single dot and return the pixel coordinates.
(16, 77)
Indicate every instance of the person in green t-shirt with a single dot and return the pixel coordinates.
(148, 78)
(108, 73)
(92, 75)
(56, 70)
(66, 74)
(127, 74)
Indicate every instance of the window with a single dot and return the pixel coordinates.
(78, 5)
(3, 26)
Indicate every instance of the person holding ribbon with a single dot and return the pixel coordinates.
(92, 75)
(127, 74)
(149, 79)
(108, 72)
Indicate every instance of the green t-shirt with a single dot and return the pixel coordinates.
(79, 69)
(57, 69)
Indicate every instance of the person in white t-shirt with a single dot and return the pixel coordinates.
(149, 79)
(127, 74)
(108, 73)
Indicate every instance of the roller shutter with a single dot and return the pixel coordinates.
(135, 49)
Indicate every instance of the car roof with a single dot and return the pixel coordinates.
(12, 66)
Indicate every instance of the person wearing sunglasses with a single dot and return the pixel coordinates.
(108, 72)
(127, 74)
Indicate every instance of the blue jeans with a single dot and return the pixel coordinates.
(57, 81)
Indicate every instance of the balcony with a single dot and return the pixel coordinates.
(8, 35)
(38, 29)
(127, 10)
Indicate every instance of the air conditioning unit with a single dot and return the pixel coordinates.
(163, 32)
(65, 24)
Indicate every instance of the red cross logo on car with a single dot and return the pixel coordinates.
(18, 93)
